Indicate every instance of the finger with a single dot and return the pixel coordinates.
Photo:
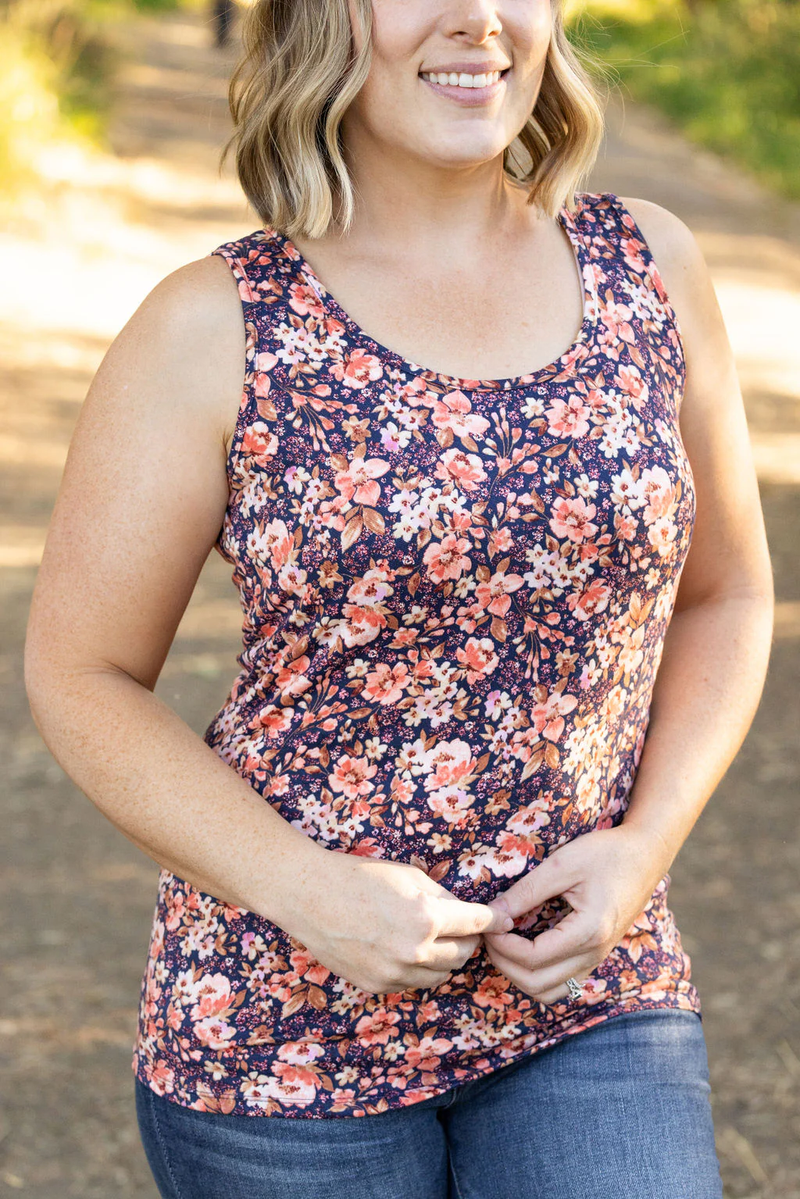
(574, 934)
(461, 919)
(558, 991)
(545, 881)
(451, 953)
(543, 985)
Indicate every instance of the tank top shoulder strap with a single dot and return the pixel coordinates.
(634, 250)
(252, 260)
(627, 259)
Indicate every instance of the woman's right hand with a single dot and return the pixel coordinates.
(385, 926)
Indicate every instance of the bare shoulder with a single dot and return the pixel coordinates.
(190, 328)
(674, 249)
(199, 293)
(671, 234)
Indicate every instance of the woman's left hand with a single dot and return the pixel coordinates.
(607, 876)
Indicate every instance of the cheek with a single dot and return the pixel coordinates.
(530, 34)
(399, 33)
(402, 30)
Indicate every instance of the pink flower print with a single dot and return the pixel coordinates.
(446, 559)
(492, 992)
(287, 1085)
(427, 1054)
(175, 910)
(367, 847)
(591, 601)
(264, 361)
(510, 855)
(447, 762)
(493, 595)
(386, 684)
(262, 385)
(214, 1032)
(572, 518)
(291, 678)
(629, 380)
(304, 300)
(372, 588)
(478, 657)
(162, 1078)
(273, 720)
(357, 369)
(212, 994)
(632, 252)
(450, 803)
(259, 442)
(351, 776)
(392, 438)
(454, 412)
(526, 822)
(548, 717)
(423, 667)
(616, 317)
(567, 418)
(300, 1053)
(279, 543)
(661, 536)
(358, 481)
(658, 492)
(292, 580)
(520, 744)
(377, 1027)
(501, 540)
(465, 470)
(360, 624)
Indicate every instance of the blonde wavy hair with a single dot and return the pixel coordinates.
(297, 76)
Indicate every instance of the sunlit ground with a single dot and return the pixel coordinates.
(78, 261)
(75, 263)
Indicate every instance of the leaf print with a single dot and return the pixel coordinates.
(352, 530)
(373, 520)
(455, 595)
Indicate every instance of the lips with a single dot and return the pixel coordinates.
(468, 96)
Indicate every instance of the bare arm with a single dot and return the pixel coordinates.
(141, 502)
(712, 667)
(717, 645)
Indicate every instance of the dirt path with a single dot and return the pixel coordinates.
(79, 897)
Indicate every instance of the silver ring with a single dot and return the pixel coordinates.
(575, 989)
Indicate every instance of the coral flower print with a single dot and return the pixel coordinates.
(358, 483)
(447, 559)
(572, 518)
(454, 412)
(479, 657)
(454, 595)
(568, 418)
(465, 470)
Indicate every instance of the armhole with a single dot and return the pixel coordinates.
(629, 225)
(231, 252)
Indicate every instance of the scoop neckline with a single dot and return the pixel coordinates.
(331, 305)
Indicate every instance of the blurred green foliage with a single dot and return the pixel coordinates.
(56, 69)
(726, 71)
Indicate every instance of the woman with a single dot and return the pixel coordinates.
(416, 870)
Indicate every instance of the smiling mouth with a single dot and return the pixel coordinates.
(443, 79)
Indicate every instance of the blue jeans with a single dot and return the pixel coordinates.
(618, 1111)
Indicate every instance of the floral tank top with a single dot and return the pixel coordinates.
(455, 594)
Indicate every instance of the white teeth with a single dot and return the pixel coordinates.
(463, 80)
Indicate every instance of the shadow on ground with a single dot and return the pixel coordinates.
(79, 897)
